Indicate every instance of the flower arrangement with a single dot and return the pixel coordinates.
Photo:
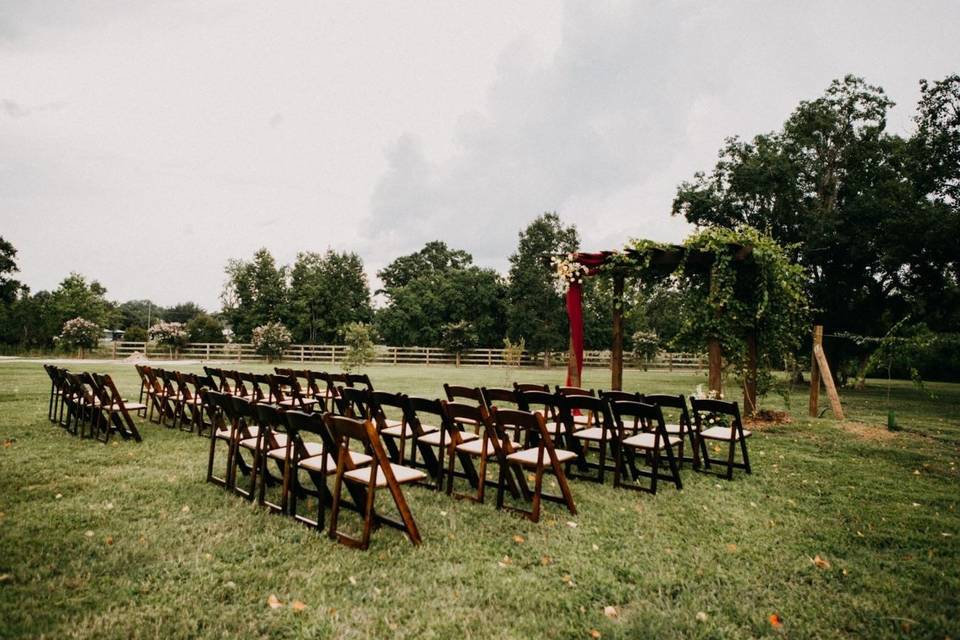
(568, 271)
(711, 419)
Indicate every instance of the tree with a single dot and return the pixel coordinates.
(535, 309)
(327, 292)
(75, 297)
(359, 338)
(135, 333)
(141, 313)
(457, 337)
(255, 293)
(8, 286)
(270, 340)
(435, 257)
(81, 334)
(848, 201)
(417, 311)
(182, 312)
(204, 328)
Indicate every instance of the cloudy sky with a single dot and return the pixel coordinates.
(145, 143)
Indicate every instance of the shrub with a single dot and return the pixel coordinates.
(135, 333)
(359, 338)
(271, 339)
(80, 334)
(457, 337)
(646, 344)
(513, 352)
(168, 334)
(204, 328)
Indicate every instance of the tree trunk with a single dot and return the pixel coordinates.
(750, 377)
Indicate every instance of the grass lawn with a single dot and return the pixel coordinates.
(128, 541)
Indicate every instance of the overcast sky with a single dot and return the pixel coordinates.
(144, 143)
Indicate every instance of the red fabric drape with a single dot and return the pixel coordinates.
(575, 306)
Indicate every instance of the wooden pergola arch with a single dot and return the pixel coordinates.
(662, 260)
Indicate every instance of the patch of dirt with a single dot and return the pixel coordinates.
(766, 418)
(871, 432)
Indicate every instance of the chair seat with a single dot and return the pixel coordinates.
(475, 447)
(723, 433)
(313, 449)
(583, 419)
(315, 463)
(401, 473)
(433, 438)
(648, 441)
(293, 402)
(251, 443)
(223, 434)
(396, 430)
(131, 406)
(594, 433)
(674, 428)
(528, 457)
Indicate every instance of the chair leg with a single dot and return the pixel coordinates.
(335, 508)
(656, 471)
(537, 494)
(743, 451)
(368, 516)
(733, 449)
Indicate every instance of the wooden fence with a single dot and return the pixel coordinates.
(333, 354)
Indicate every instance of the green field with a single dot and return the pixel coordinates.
(128, 541)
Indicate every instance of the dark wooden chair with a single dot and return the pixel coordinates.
(651, 443)
(603, 433)
(474, 395)
(433, 436)
(580, 420)
(531, 386)
(156, 397)
(353, 403)
(288, 394)
(719, 420)
(277, 447)
(317, 467)
(395, 433)
(116, 410)
(221, 430)
(381, 473)
(682, 427)
(488, 446)
(542, 458)
(249, 439)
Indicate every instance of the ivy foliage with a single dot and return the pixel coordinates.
(764, 295)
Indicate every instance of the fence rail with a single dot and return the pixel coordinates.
(333, 354)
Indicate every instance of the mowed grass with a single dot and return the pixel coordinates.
(128, 541)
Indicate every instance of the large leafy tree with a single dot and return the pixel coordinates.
(182, 312)
(77, 298)
(845, 198)
(255, 293)
(327, 292)
(440, 287)
(8, 265)
(536, 310)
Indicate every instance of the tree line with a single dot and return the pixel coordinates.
(872, 217)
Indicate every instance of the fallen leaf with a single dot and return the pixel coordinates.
(230, 584)
(611, 612)
(821, 563)
(109, 540)
(594, 633)
(297, 606)
(108, 506)
(519, 539)
(775, 621)
(273, 602)
(58, 496)
(443, 513)
(731, 548)
(595, 547)
(569, 580)
(5, 577)
(701, 616)
(571, 524)
(185, 509)
(352, 580)
(88, 533)
(545, 560)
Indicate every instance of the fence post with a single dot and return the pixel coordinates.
(428, 355)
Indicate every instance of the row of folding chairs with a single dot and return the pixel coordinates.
(173, 399)
(88, 404)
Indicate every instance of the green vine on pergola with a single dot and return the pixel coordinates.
(741, 296)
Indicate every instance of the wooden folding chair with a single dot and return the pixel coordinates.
(353, 403)
(541, 458)
(380, 473)
(432, 436)
(393, 432)
(474, 395)
(719, 420)
(531, 386)
(54, 391)
(249, 438)
(155, 396)
(221, 430)
(288, 394)
(488, 446)
(116, 409)
(652, 442)
(318, 467)
(188, 387)
(682, 427)
(603, 433)
(580, 420)
(89, 403)
(277, 446)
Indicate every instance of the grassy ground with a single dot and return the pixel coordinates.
(128, 541)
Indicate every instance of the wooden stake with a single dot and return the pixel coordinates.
(815, 372)
(572, 373)
(715, 358)
(824, 367)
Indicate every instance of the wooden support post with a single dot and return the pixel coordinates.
(750, 379)
(815, 372)
(824, 367)
(715, 358)
(616, 355)
(572, 372)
